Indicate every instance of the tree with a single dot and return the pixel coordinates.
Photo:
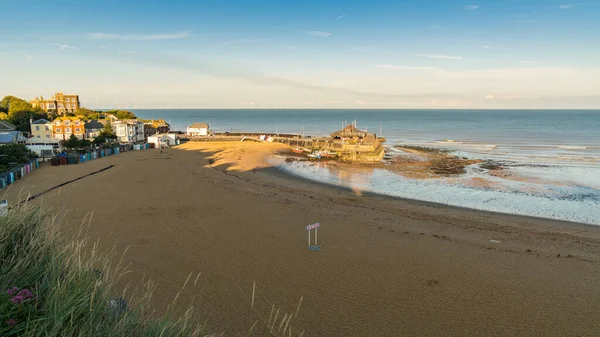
(19, 112)
(71, 143)
(108, 132)
(122, 114)
(19, 105)
(85, 143)
(87, 114)
(99, 140)
(14, 154)
(7, 101)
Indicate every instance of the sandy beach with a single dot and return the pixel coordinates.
(388, 267)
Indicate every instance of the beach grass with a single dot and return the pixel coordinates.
(56, 287)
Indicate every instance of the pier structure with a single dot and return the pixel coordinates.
(350, 144)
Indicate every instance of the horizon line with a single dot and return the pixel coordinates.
(545, 109)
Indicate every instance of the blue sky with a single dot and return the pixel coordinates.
(337, 54)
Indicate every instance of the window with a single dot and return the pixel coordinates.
(37, 128)
(67, 123)
(51, 106)
(47, 127)
(58, 130)
(42, 105)
(38, 136)
(60, 105)
(47, 136)
(67, 130)
(78, 130)
(68, 100)
(68, 106)
(57, 123)
(77, 123)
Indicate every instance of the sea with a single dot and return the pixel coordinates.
(553, 156)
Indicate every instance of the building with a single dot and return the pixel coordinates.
(93, 128)
(350, 131)
(6, 126)
(64, 127)
(163, 140)
(44, 148)
(41, 129)
(198, 129)
(12, 137)
(353, 144)
(129, 131)
(157, 126)
(59, 103)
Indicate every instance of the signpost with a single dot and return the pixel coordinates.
(309, 228)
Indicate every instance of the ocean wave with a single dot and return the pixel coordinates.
(577, 201)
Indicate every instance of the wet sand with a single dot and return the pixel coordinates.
(388, 267)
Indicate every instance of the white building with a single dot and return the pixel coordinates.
(45, 148)
(163, 140)
(198, 129)
(129, 131)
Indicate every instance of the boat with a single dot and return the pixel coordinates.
(297, 150)
(328, 154)
(315, 155)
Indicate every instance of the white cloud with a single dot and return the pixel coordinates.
(490, 97)
(390, 66)
(318, 33)
(341, 16)
(27, 56)
(127, 51)
(139, 37)
(567, 6)
(532, 62)
(63, 46)
(490, 47)
(446, 57)
(1, 53)
(471, 7)
(99, 47)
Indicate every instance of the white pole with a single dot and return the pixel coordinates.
(316, 232)
(308, 237)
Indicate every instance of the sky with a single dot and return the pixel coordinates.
(430, 54)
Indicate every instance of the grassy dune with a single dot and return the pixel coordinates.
(55, 287)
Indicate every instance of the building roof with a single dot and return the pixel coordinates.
(94, 125)
(6, 126)
(349, 131)
(128, 121)
(64, 118)
(41, 121)
(199, 125)
(11, 137)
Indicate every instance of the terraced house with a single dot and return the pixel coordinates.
(64, 127)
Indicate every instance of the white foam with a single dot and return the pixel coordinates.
(571, 203)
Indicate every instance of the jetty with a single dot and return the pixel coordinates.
(349, 144)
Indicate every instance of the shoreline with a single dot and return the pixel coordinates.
(388, 266)
(277, 171)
